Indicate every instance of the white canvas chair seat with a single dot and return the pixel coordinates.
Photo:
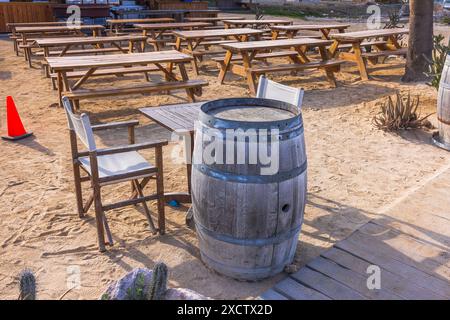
(125, 163)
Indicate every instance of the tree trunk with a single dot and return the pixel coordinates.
(420, 39)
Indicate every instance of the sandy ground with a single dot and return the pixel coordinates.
(354, 171)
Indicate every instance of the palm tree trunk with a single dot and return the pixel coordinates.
(420, 39)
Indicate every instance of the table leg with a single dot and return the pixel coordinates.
(330, 74)
(194, 60)
(185, 77)
(225, 65)
(250, 76)
(360, 60)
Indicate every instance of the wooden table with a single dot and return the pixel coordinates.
(67, 43)
(157, 30)
(196, 38)
(42, 31)
(89, 65)
(254, 23)
(389, 46)
(179, 118)
(213, 20)
(116, 26)
(252, 50)
(13, 25)
(292, 30)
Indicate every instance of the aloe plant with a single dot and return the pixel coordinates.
(401, 113)
(437, 62)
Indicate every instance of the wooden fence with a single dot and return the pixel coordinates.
(24, 12)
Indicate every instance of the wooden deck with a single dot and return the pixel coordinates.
(411, 246)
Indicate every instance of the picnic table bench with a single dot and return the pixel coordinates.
(389, 45)
(43, 31)
(89, 65)
(119, 26)
(178, 118)
(207, 38)
(254, 23)
(213, 20)
(292, 30)
(156, 31)
(250, 51)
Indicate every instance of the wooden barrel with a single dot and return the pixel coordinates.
(248, 212)
(443, 108)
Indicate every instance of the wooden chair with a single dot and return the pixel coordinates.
(110, 166)
(272, 90)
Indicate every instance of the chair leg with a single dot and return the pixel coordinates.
(144, 204)
(108, 231)
(99, 219)
(78, 192)
(160, 190)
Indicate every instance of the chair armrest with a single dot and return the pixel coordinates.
(114, 125)
(131, 147)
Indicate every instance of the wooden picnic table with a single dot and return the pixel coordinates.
(292, 30)
(388, 46)
(117, 26)
(44, 31)
(157, 30)
(13, 25)
(178, 118)
(262, 23)
(196, 38)
(66, 44)
(87, 66)
(254, 50)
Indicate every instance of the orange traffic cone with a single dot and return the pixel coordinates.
(16, 130)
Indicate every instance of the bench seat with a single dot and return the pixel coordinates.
(79, 94)
(278, 54)
(108, 72)
(363, 44)
(81, 51)
(295, 67)
(376, 54)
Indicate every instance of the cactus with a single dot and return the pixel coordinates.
(158, 284)
(27, 285)
(137, 291)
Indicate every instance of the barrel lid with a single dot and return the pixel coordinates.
(212, 113)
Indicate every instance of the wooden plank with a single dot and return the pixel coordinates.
(326, 285)
(254, 21)
(162, 115)
(361, 35)
(175, 25)
(312, 27)
(401, 270)
(153, 87)
(71, 62)
(405, 251)
(273, 44)
(194, 34)
(350, 278)
(272, 295)
(144, 20)
(58, 28)
(296, 291)
(86, 40)
(412, 247)
(403, 286)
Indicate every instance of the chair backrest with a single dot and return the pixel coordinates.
(272, 90)
(80, 125)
